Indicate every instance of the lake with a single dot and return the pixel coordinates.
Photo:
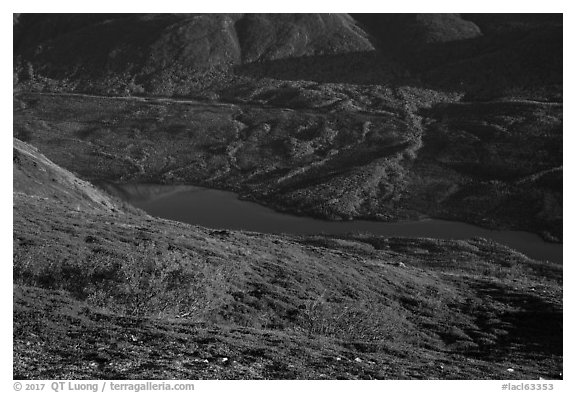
(223, 210)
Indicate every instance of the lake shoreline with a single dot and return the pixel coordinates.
(195, 205)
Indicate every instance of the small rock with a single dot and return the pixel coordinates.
(510, 370)
(224, 360)
(358, 360)
(338, 358)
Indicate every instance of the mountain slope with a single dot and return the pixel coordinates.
(484, 55)
(171, 53)
(36, 176)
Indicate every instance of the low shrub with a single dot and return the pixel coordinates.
(351, 321)
(146, 282)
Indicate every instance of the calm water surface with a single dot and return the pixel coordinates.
(222, 209)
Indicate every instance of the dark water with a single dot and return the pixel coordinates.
(221, 209)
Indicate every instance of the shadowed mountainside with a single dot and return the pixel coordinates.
(181, 54)
(171, 53)
(485, 55)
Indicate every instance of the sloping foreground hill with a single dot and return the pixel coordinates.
(109, 293)
(37, 177)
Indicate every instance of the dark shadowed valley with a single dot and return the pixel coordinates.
(317, 120)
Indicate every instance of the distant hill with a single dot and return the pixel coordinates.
(485, 56)
(153, 53)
